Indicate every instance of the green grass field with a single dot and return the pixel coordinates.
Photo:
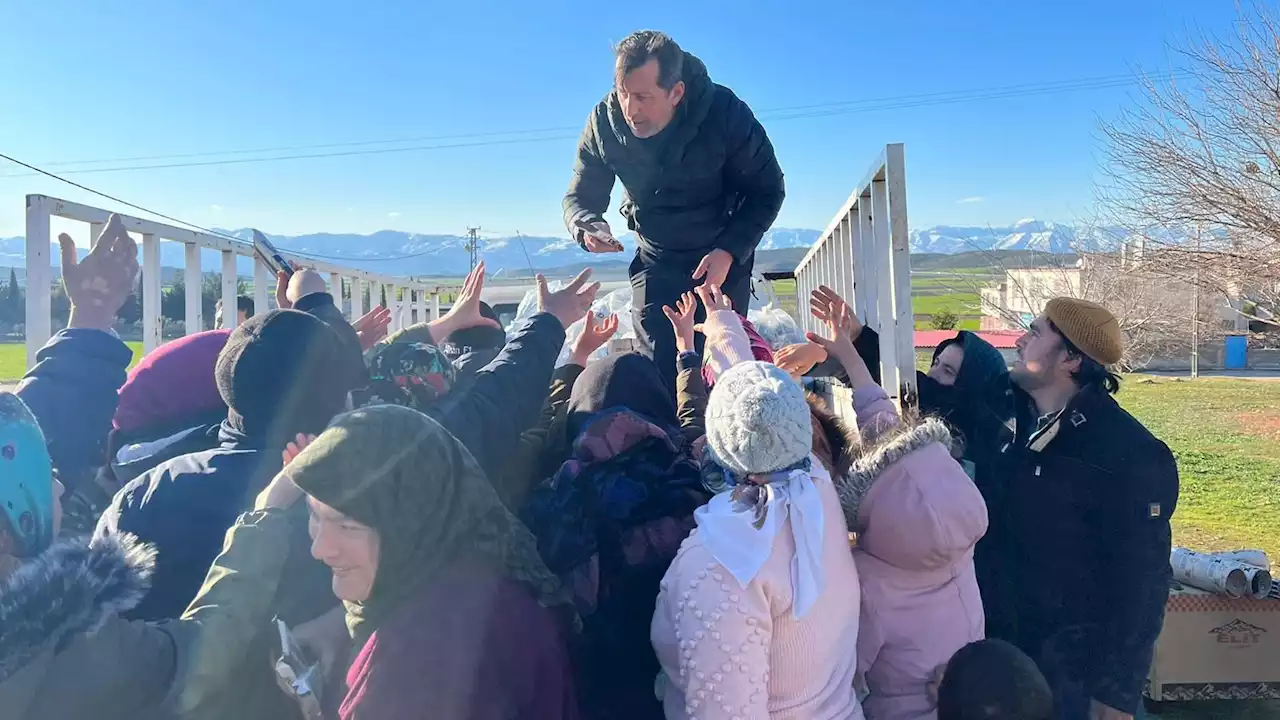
(929, 295)
(13, 360)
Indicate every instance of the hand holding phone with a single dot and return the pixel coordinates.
(270, 256)
(597, 237)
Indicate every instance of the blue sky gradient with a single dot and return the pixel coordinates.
(156, 77)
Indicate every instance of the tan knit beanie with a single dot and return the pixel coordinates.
(1089, 326)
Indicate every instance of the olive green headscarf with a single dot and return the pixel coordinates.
(402, 474)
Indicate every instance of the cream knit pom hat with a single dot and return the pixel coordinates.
(758, 420)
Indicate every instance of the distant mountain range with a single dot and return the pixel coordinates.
(403, 253)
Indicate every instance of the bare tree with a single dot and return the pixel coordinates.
(1200, 156)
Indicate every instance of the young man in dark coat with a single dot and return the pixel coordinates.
(701, 179)
(1088, 499)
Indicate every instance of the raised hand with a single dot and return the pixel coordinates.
(570, 302)
(681, 318)
(98, 285)
(799, 358)
(300, 443)
(844, 326)
(372, 326)
(465, 312)
(594, 335)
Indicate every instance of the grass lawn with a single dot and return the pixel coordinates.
(13, 360)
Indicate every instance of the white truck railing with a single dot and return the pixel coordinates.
(419, 300)
(864, 255)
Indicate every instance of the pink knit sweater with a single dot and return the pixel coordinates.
(735, 653)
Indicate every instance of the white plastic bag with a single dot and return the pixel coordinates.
(776, 326)
(617, 302)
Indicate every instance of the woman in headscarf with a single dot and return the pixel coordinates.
(453, 614)
(610, 519)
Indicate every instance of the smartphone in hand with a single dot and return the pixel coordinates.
(268, 254)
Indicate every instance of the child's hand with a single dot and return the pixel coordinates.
(594, 336)
(300, 443)
(682, 321)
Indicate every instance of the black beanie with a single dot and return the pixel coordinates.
(473, 339)
(282, 373)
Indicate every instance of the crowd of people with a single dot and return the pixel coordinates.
(304, 517)
(477, 533)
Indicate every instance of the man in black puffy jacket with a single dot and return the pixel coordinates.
(701, 179)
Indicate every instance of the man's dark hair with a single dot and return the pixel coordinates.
(993, 680)
(244, 304)
(1092, 374)
(640, 47)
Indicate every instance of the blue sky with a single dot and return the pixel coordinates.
(157, 77)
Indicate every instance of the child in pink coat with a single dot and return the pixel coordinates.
(917, 517)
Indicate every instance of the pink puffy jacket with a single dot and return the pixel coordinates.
(918, 516)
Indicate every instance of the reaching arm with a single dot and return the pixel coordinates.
(1134, 559)
(752, 172)
(588, 196)
(72, 391)
(506, 396)
(727, 343)
(691, 396)
(525, 467)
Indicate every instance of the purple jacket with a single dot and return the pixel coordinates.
(918, 517)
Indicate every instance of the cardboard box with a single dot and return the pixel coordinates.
(1214, 647)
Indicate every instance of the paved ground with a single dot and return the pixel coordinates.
(1231, 374)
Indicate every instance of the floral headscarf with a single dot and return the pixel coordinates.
(411, 374)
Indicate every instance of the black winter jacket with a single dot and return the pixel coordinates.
(712, 181)
(1088, 502)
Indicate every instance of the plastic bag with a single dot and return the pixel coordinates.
(617, 302)
(776, 326)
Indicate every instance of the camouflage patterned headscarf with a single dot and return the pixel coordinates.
(400, 473)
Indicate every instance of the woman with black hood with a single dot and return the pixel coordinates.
(967, 386)
(610, 520)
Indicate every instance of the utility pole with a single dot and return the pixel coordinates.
(473, 244)
(1195, 314)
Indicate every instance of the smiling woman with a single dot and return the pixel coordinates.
(435, 574)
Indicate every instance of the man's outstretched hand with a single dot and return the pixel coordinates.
(570, 302)
(597, 237)
(714, 268)
(98, 285)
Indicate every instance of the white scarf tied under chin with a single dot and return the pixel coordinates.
(729, 532)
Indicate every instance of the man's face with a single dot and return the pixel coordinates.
(1042, 358)
(647, 107)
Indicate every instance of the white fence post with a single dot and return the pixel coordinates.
(393, 304)
(896, 180)
(435, 305)
(151, 317)
(883, 300)
(335, 289)
(193, 282)
(864, 255)
(230, 318)
(357, 298)
(264, 287)
(39, 320)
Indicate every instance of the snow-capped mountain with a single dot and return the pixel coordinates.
(1026, 234)
(404, 253)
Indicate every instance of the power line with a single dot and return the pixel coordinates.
(193, 226)
(795, 112)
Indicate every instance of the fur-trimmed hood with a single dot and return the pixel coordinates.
(69, 590)
(910, 502)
